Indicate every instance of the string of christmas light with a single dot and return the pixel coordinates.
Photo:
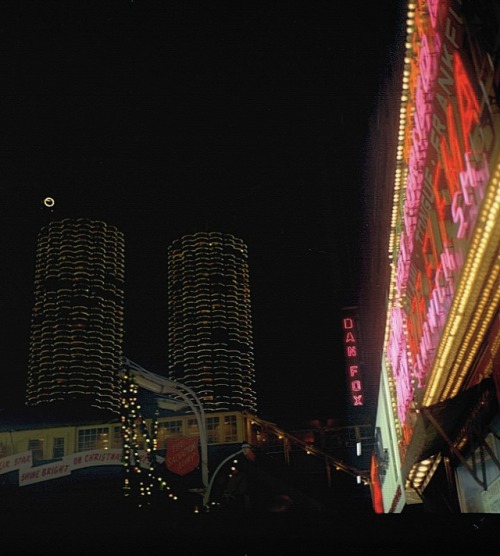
(139, 482)
(127, 408)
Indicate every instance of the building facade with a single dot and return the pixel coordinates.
(437, 414)
(210, 340)
(75, 351)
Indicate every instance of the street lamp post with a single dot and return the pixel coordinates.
(246, 450)
(206, 496)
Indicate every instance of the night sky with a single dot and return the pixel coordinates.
(166, 118)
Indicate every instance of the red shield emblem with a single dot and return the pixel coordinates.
(182, 454)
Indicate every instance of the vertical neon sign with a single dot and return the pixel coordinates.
(351, 353)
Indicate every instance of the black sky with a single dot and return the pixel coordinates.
(166, 118)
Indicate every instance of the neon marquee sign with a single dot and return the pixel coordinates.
(447, 174)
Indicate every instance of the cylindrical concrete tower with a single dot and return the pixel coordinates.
(77, 323)
(210, 323)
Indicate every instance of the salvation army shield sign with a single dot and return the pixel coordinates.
(182, 454)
